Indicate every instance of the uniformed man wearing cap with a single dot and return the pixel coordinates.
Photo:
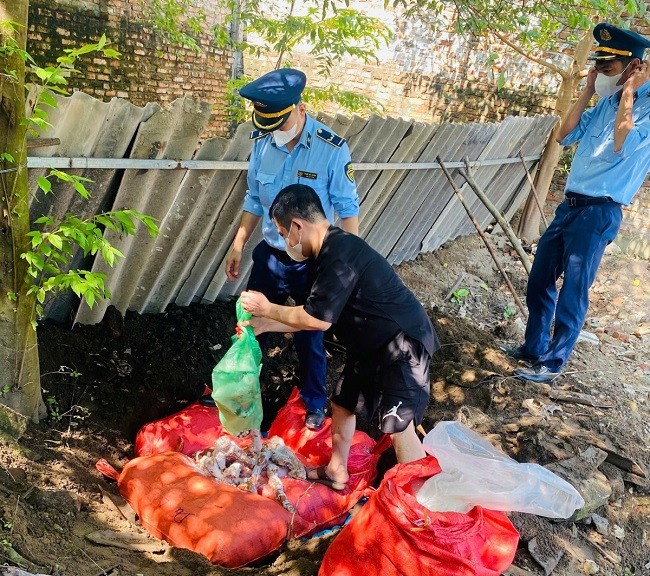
(611, 163)
(291, 147)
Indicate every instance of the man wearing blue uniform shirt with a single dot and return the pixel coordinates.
(292, 148)
(609, 167)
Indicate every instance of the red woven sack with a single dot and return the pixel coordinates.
(393, 535)
(178, 503)
(188, 431)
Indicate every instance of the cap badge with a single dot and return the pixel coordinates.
(605, 35)
(259, 105)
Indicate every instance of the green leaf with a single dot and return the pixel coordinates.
(44, 184)
(107, 223)
(89, 297)
(81, 189)
(55, 240)
(110, 53)
(46, 98)
(125, 221)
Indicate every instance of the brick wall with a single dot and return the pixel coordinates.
(149, 70)
(430, 78)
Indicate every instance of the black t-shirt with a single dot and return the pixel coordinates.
(358, 291)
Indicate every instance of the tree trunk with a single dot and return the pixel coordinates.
(530, 218)
(20, 388)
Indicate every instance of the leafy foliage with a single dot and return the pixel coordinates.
(54, 243)
(51, 252)
(330, 29)
(174, 20)
(53, 79)
(536, 29)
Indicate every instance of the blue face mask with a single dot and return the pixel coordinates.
(295, 252)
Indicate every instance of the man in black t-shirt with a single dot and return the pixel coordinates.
(387, 334)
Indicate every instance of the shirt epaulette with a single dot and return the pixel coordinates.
(255, 134)
(330, 137)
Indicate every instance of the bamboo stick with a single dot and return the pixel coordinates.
(483, 237)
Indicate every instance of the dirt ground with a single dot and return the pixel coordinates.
(102, 383)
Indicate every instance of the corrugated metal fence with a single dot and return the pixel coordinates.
(404, 211)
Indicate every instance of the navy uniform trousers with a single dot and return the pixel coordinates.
(277, 276)
(572, 245)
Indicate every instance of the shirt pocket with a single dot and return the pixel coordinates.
(600, 146)
(267, 187)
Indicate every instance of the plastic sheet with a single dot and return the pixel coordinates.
(236, 381)
(476, 473)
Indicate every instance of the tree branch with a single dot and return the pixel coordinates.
(546, 63)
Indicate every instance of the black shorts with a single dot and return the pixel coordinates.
(393, 381)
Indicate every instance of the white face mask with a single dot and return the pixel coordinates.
(283, 137)
(295, 252)
(606, 85)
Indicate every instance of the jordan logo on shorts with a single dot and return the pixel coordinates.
(393, 412)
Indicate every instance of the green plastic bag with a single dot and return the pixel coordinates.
(236, 381)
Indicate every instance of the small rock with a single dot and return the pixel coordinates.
(545, 554)
(601, 524)
(520, 325)
(590, 567)
(588, 337)
(641, 330)
(618, 532)
(595, 491)
(621, 336)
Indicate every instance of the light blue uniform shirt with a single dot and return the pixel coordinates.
(320, 159)
(596, 169)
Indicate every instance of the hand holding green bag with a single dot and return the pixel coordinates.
(236, 381)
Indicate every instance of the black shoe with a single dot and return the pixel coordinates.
(207, 400)
(315, 419)
(540, 374)
(517, 354)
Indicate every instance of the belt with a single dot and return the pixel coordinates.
(575, 200)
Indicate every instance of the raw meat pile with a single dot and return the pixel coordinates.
(254, 468)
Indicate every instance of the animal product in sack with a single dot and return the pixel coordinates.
(236, 381)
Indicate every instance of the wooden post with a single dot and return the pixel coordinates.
(483, 237)
(516, 243)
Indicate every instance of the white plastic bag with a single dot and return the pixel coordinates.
(476, 473)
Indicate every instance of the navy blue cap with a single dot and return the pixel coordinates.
(614, 42)
(274, 96)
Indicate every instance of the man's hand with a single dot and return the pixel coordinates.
(255, 303)
(232, 264)
(259, 326)
(591, 81)
(639, 75)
